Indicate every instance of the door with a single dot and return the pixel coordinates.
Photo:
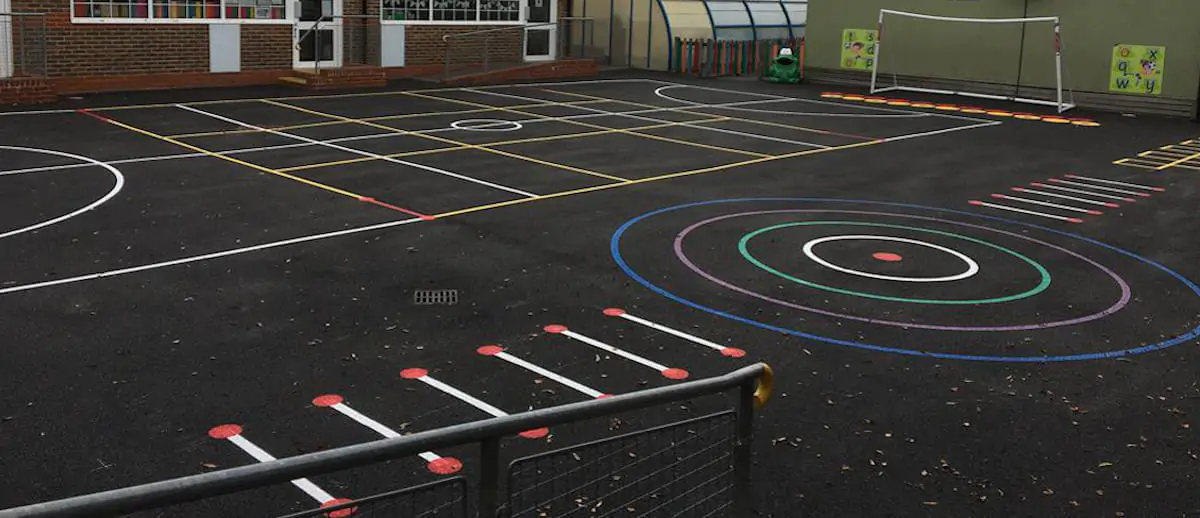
(6, 46)
(541, 34)
(318, 34)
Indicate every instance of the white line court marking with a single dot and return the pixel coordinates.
(1023, 211)
(498, 352)
(1047, 204)
(1067, 197)
(233, 433)
(667, 372)
(732, 352)
(1100, 187)
(941, 131)
(1114, 182)
(435, 463)
(894, 114)
(423, 376)
(117, 185)
(362, 153)
(205, 257)
(1080, 191)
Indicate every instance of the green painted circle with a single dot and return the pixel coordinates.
(742, 247)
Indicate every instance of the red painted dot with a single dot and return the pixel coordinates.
(327, 400)
(490, 350)
(536, 433)
(887, 256)
(733, 352)
(412, 374)
(340, 513)
(225, 431)
(604, 396)
(614, 312)
(675, 374)
(445, 466)
(555, 328)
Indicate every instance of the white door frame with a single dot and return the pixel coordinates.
(334, 25)
(6, 43)
(553, 30)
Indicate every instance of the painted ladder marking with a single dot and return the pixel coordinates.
(1023, 211)
(233, 433)
(1114, 182)
(1078, 191)
(423, 376)
(1066, 197)
(498, 352)
(435, 463)
(731, 352)
(1047, 204)
(667, 372)
(1100, 187)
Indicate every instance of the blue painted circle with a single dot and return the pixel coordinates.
(615, 247)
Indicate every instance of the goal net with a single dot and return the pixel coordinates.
(1012, 59)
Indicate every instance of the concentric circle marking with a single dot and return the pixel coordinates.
(972, 266)
(486, 125)
(615, 250)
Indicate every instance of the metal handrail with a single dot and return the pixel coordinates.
(755, 382)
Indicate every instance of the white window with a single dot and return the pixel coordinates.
(193, 11)
(451, 11)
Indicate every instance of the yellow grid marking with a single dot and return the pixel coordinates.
(1130, 163)
(267, 129)
(594, 126)
(450, 141)
(685, 109)
(1169, 153)
(488, 144)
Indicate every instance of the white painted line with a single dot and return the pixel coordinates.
(1114, 182)
(117, 185)
(423, 376)
(890, 113)
(1100, 187)
(434, 462)
(1023, 211)
(693, 124)
(205, 257)
(667, 372)
(1067, 197)
(1078, 191)
(233, 434)
(731, 352)
(498, 352)
(361, 152)
(1047, 204)
(941, 131)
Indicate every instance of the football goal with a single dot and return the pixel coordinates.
(975, 57)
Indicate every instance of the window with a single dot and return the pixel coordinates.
(451, 11)
(177, 10)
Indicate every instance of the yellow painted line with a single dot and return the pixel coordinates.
(1179, 161)
(233, 160)
(450, 141)
(1169, 154)
(680, 174)
(360, 160)
(617, 130)
(1188, 166)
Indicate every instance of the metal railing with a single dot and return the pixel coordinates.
(500, 47)
(22, 45)
(712, 452)
(356, 41)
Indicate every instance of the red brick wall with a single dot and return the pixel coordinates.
(423, 44)
(266, 46)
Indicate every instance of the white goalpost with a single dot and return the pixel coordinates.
(1061, 102)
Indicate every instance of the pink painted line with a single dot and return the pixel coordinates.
(732, 352)
(233, 434)
(373, 201)
(1078, 191)
(498, 352)
(434, 462)
(1100, 187)
(1114, 182)
(667, 372)
(1023, 211)
(1066, 197)
(423, 376)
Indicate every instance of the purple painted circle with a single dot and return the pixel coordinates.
(1122, 301)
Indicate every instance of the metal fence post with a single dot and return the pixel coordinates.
(489, 478)
(742, 497)
(487, 50)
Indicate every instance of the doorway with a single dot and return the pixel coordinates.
(318, 34)
(541, 34)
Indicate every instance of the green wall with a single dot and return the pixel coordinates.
(989, 53)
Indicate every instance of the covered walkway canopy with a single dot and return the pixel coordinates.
(735, 19)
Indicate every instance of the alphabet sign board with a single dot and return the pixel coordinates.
(858, 48)
(1137, 69)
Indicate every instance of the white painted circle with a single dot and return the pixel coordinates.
(120, 182)
(972, 266)
(486, 125)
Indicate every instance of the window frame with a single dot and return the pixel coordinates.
(521, 16)
(288, 16)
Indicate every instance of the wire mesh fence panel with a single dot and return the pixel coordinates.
(442, 499)
(682, 470)
(360, 40)
(22, 45)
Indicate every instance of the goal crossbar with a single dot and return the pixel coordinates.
(1058, 103)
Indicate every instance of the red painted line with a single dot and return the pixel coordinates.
(373, 201)
(94, 115)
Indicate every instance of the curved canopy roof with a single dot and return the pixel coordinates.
(736, 19)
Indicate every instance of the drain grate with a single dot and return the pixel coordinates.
(435, 297)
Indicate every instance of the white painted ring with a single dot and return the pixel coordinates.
(120, 182)
(487, 125)
(972, 266)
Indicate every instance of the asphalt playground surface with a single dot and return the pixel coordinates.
(174, 262)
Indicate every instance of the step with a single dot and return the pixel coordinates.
(294, 80)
